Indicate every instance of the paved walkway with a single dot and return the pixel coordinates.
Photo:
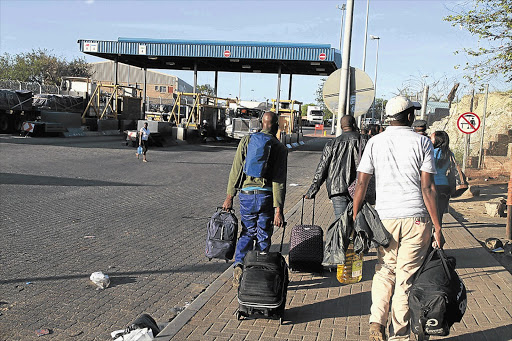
(319, 308)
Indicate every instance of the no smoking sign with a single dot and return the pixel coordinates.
(468, 123)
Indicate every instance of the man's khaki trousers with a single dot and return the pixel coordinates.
(395, 270)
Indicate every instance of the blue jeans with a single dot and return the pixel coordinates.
(256, 212)
(339, 204)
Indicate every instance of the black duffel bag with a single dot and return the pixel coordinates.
(437, 298)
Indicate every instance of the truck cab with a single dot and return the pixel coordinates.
(315, 115)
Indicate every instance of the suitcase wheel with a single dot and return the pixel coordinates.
(227, 260)
(209, 259)
(239, 316)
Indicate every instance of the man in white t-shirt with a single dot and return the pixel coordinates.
(402, 162)
(143, 140)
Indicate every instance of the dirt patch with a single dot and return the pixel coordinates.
(470, 211)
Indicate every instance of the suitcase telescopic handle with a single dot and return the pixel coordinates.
(302, 211)
(282, 238)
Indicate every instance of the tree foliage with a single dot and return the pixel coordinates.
(205, 89)
(41, 66)
(490, 20)
(319, 98)
(304, 109)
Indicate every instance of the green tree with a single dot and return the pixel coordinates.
(491, 21)
(304, 109)
(41, 66)
(205, 89)
(319, 98)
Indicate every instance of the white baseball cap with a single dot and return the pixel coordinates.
(400, 103)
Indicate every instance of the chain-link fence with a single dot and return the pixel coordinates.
(36, 88)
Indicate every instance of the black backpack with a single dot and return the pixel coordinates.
(437, 298)
(222, 230)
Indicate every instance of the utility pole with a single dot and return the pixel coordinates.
(424, 102)
(345, 65)
(466, 137)
(483, 127)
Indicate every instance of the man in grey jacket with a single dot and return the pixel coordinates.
(338, 165)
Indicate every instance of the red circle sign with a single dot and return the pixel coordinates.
(227, 53)
(468, 123)
(322, 56)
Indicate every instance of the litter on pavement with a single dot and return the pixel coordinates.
(101, 280)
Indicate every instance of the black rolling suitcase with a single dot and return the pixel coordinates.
(222, 234)
(306, 245)
(263, 285)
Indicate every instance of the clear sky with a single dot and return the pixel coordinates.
(415, 41)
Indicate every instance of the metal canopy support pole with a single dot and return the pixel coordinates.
(216, 101)
(278, 89)
(144, 94)
(424, 102)
(240, 88)
(216, 82)
(290, 89)
(483, 127)
(195, 77)
(345, 65)
(116, 71)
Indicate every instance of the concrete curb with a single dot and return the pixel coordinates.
(173, 327)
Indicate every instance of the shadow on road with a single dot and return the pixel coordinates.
(44, 180)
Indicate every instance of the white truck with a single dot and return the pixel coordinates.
(315, 115)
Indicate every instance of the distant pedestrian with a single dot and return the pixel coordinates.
(364, 131)
(143, 141)
(259, 173)
(338, 165)
(442, 156)
(374, 129)
(403, 164)
(420, 127)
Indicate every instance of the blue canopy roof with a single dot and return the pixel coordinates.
(210, 55)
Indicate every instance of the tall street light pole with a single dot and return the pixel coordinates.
(366, 34)
(375, 82)
(364, 48)
(342, 8)
(345, 65)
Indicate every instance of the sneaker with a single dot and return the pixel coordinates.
(377, 332)
(237, 273)
(144, 160)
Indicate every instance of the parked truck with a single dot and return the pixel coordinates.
(244, 118)
(315, 115)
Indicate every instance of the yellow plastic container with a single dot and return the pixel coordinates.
(352, 270)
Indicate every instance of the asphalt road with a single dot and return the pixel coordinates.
(71, 207)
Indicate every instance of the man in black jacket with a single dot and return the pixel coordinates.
(338, 165)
